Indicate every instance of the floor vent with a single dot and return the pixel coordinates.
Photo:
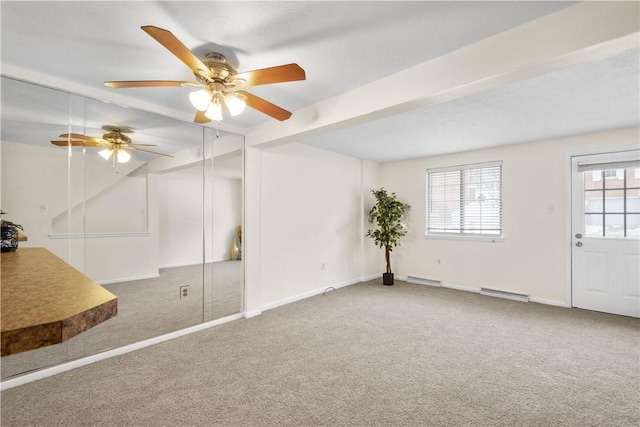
(504, 294)
(423, 281)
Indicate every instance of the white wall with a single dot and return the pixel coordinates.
(310, 205)
(120, 208)
(181, 216)
(227, 216)
(373, 257)
(532, 257)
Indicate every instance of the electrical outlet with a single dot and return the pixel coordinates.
(185, 292)
(322, 266)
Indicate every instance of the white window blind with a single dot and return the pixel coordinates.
(465, 200)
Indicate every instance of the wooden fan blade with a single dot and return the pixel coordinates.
(149, 151)
(279, 74)
(201, 118)
(141, 145)
(75, 143)
(149, 83)
(175, 46)
(265, 106)
(80, 136)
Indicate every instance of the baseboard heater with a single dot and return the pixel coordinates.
(504, 294)
(423, 281)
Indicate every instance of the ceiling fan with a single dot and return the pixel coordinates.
(219, 81)
(114, 144)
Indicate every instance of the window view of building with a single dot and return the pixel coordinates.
(612, 203)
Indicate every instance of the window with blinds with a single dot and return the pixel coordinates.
(465, 200)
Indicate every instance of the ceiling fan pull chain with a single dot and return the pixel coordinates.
(115, 163)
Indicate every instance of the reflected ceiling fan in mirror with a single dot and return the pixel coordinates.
(114, 144)
(219, 81)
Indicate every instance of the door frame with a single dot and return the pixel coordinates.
(568, 236)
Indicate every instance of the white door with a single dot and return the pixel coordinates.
(605, 216)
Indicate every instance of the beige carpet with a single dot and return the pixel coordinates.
(364, 355)
(146, 309)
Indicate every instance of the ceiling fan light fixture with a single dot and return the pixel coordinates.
(200, 99)
(106, 153)
(214, 112)
(235, 103)
(123, 156)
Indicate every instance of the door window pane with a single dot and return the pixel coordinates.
(614, 178)
(633, 225)
(633, 200)
(612, 202)
(593, 201)
(614, 225)
(593, 225)
(593, 180)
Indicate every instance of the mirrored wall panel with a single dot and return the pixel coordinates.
(130, 227)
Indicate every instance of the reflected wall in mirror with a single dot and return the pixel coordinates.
(225, 229)
(144, 231)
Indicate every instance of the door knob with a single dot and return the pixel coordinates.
(578, 236)
(579, 244)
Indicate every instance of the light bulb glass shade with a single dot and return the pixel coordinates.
(214, 112)
(200, 99)
(235, 103)
(123, 156)
(106, 153)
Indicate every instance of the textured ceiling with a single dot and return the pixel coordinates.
(341, 45)
(587, 98)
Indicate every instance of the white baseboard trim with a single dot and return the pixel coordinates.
(64, 367)
(190, 263)
(531, 299)
(128, 279)
(308, 294)
(477, 291)
(180, 264)
(461, 287)
(372, 277)
(549, 302)
(252, 313)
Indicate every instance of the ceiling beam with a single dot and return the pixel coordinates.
(580, 34)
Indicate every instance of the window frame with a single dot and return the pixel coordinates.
(460, 235)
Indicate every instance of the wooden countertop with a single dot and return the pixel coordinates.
(45, 301)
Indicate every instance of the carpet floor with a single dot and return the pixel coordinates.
(363, 355)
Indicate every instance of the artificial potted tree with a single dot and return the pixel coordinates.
(387, 213)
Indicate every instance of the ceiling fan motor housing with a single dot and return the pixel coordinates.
(116, 137)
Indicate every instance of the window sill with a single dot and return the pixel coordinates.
(471, 238)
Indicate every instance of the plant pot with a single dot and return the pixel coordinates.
(9, 239)
(387, 279)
